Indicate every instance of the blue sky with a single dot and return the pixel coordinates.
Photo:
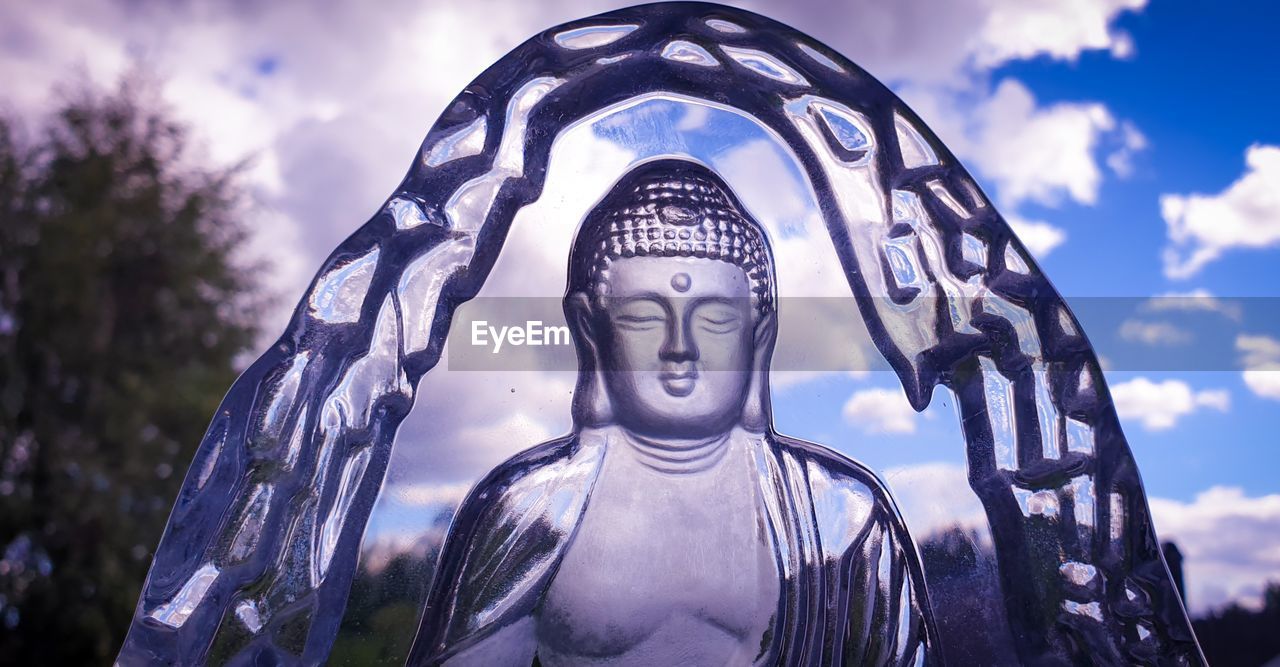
(1077, 119)
(1202, 86)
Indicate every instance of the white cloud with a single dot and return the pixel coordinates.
(1159, 405)
(1123, 46)
(927, 41)
(464, 423)
(350, 92)
(1154, 333)
(331, 105)
(1260, 356)
(1028, 153)
(1196, 300)
(1259, 351)
(1264, 383)
(934, 497)
(48, 45)
(1230, 542)
(1131, 142)
(429, 495)
(758, 169)
(1039, 237)
(782, 380)
(1020, 30)
(1244, 215)
(1040, 154)
(880, 411)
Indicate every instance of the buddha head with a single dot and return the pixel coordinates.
(671, 304)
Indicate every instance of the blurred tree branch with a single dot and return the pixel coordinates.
(124, 304)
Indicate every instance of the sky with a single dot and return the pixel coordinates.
(1130, 144)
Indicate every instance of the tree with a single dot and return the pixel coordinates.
(1238, 636)
(123, 309)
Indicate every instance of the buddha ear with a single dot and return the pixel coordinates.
(766, 334)
(757, 413)
(591, 406)
(577, 311)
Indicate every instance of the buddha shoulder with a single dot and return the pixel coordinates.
(535, 495)
(525, 482)
(848, 499)
(506, 538)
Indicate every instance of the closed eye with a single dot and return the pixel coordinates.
(717, 317)
(638, 314)
(639, 322)
(719, 323)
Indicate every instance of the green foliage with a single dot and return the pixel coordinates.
(383, 610)
(123, 309)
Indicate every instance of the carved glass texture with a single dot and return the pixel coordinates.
(717, 207)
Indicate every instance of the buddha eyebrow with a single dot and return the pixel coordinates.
(651, 297)
(718, 300)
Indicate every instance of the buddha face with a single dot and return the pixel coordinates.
(676, 339)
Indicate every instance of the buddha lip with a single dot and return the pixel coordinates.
(679, 382)
(679, 386)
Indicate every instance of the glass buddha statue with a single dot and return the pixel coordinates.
(673, 525)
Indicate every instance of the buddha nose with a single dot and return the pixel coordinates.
(679, 345)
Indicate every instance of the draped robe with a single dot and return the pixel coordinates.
(852, 590)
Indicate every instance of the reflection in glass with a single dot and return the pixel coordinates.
(672, 524)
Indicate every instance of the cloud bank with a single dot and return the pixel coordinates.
(1230, 541)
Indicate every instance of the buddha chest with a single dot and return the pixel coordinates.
(667, 567)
